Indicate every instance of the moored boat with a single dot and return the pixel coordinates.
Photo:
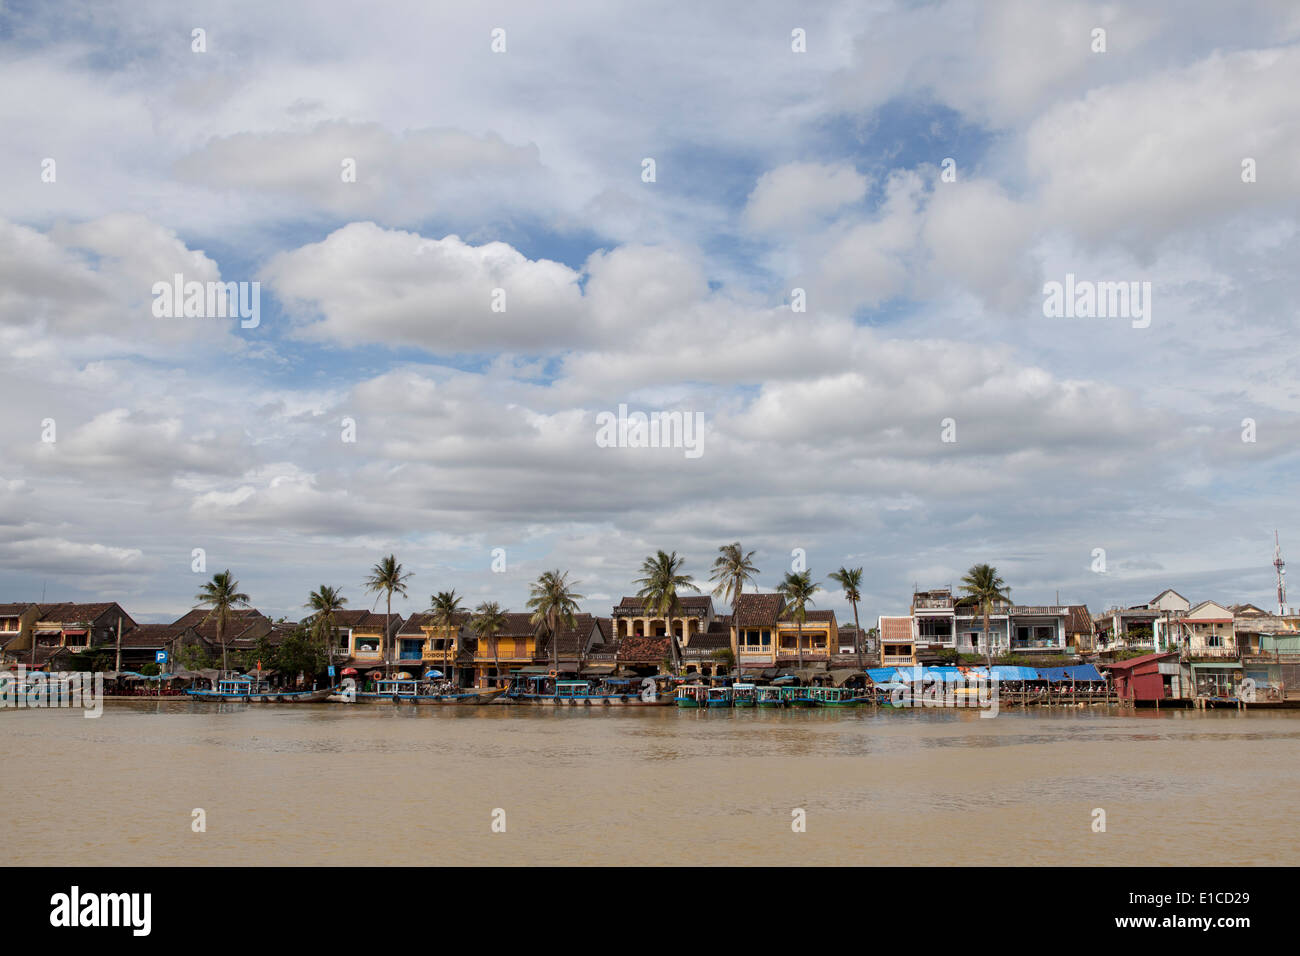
(744, 695)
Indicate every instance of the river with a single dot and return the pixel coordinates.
(332, 784)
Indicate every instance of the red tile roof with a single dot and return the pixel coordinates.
(757, 610)
(895, 628)
(644, 650)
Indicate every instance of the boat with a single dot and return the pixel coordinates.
(411, 691)
(692, 695)
(768, 696)
(257, 691)
(744, 695)
(835, 697)
(718, 697)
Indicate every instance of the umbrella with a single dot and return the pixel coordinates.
(429, 674)
(349, 670)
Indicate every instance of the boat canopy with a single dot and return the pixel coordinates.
(1009, 672)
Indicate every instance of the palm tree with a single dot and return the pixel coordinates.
(553, 602)
(489, 621)
(387, 576)
(732, 568)
(983, 583)
(445, 607)
(221, 594)
(798, 590)
(324, 604)
(850, 579)
(662, 578)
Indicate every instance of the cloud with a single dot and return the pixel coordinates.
(798, 193)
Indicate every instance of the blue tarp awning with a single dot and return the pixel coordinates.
(1079, 672)
(882, 675)
(1010, 672)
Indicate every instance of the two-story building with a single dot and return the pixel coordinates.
(753, 631)
(363, 638)
(16, 623)
(818, 633)
(897, 644)
(68, 628)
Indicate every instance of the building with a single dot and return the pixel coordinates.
(753, 627)
(897, 645)
(1207, 631)
(516, 650)
(16, 623)
(708, 652)
(1038, 629)
(59, 631)
(801, 644)
(141, 644)
(363, 638)
(246, 627)
(1080, 637)
(1148, 679)
(574, 647)
(695, 614)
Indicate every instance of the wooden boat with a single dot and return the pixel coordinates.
(768, 696)
(692, 695)
(395, 691)
(834, 697)
(248, 690)
(718, 697)
(744, 695)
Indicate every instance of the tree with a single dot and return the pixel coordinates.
(732, 569)
(445, 607)
(387, 576)
(983, 583)
(222, 595)
(489, 620)
(661, 580)
(850, 579)
(798, 590)
(553, 603)
(325, 603)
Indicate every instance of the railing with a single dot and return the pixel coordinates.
(933, 604)
(1037, 644)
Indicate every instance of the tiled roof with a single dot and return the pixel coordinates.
(151, 635)
(711, 640)
(1079, 620)
(757, 610)
(569, 638)
(245, 627)
(809, 615)
(606, 625)
(644, 650)
(688, 602)
(518, 624)
(413, 624)
(13, 610)
(72, 613)
(365, 618)
(895, 628)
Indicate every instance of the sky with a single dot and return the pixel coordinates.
(914, 175)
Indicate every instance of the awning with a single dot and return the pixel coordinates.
(1207, 665)
(1011, 672)
(843, 677)
(599, 670)
(533, 670)
(882, 675)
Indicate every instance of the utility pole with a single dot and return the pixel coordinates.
(117, 664)
(1280, 565)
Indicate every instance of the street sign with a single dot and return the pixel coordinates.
(331, 670)
(160, 657)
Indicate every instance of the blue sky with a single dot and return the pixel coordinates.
(776, 170)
